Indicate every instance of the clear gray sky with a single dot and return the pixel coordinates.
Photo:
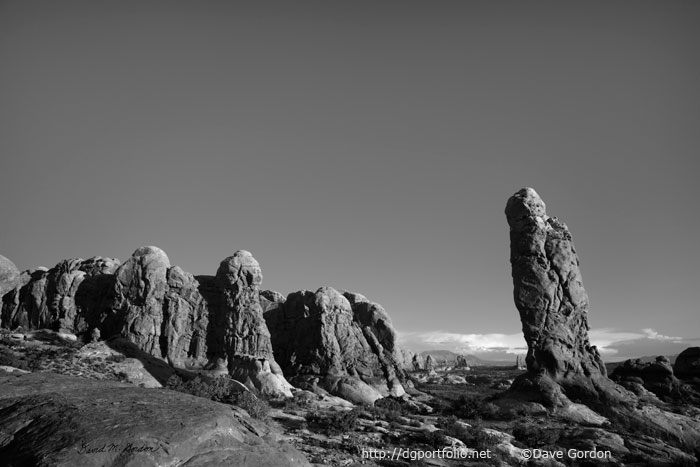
(368, 146)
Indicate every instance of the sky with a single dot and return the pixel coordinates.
(368, 146)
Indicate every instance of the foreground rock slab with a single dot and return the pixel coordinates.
(54, 420)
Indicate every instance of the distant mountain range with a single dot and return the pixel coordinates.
(449, 358)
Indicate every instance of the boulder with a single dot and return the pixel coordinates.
(688, 363)
(656, 376)
(51, 419)
(341, 342)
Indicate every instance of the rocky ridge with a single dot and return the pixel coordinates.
(222, 324)
(214, 326)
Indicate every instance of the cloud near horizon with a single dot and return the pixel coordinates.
(612, 344)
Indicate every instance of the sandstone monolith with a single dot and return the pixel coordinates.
(553, 305)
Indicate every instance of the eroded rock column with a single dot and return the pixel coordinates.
(246, 339)
(549, 295)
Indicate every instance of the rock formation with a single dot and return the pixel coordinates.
(66, 297)
(687, 364)
(553, 307)
(552, 302)
(270, 300)
(246, 339)
(406, 357)
(461, 362)
(342, 343)
(429, 363)
(212, 323)
(52, 419)
(656, 377)
(416, 363)
(139, 289)
(185, 331)
(9, 276)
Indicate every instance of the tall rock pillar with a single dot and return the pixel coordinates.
(551, 300)
(246, 339)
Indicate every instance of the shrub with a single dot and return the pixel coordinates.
(435, 439)
(532, 435)
(9, 358)
(217, 389)
(298, 401)
(221, 389)
(473, 408)
(489, 411)
(466, 407)
(334, 423)
(473, 436)
(256, 407)
(390, 404)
